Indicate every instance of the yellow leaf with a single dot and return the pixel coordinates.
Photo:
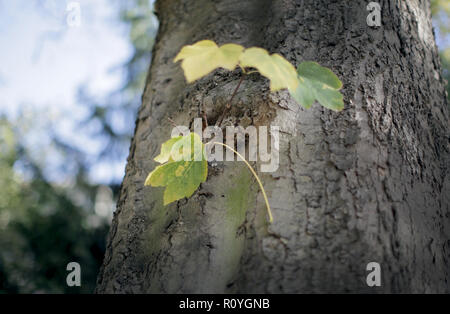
(205, 56)
(281, 73)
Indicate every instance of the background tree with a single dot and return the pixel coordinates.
(46, 224)
(367, 184)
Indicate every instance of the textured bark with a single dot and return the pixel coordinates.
(368, 184)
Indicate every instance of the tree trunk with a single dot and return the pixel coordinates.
(368, 184)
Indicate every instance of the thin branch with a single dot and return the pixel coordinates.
(174, 124)
(204, 116)
(228, 105)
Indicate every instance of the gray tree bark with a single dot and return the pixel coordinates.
(368, 184)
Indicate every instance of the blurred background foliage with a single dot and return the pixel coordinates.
(440, 9)
(45, 224)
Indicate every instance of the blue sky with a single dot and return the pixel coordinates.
(44, 61)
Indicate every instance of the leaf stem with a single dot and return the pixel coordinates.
(256, 176)
(228, 105)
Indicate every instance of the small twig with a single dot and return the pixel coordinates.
(205, 118)
(174, 124)
(228, 105)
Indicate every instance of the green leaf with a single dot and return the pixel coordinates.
(276, 68)
(318, 83)
(205, 56)
(184, 169)
(315, 72)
